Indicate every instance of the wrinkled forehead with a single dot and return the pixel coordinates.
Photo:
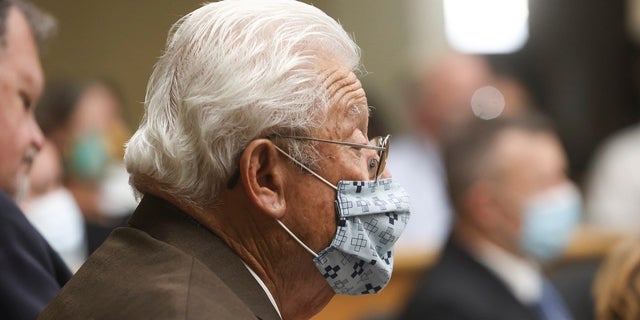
(343, 88)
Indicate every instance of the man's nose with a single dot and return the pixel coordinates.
(386, 174)
(37, 140)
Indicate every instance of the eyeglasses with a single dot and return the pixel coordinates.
(380, 144)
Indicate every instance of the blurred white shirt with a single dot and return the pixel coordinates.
(57, 217)
(417, 166)
(116, 195)
(522, 277)
(612, 197)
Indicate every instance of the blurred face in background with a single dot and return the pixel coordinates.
(525, 166)
(93, 138)
(21, 82)
(97, 110)
(445, 93)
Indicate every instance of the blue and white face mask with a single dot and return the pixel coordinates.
(371, 217)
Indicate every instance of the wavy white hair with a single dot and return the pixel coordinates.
(232, 71)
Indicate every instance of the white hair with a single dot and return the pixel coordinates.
(233, 71)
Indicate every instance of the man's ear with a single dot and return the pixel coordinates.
(262, 175)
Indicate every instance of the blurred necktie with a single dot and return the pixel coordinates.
(551, 306)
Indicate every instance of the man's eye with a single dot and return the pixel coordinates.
(26, 101)
(373, 164)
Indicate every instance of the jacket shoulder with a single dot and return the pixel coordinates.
(135, 276)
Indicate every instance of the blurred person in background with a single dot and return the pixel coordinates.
(31, 272)
(517, 98)
(84, 121)
(440, 101)
(515, 207)
(612, 201)
(51, 208)
(262, 195)
(617, 285)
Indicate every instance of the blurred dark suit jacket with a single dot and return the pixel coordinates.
(164, 266)
(31, 273)
(459, 287)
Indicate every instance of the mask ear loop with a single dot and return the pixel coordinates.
(296, 238)
(317, 176)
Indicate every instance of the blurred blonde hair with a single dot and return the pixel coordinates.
(617, 285)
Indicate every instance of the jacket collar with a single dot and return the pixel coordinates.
(166, 222)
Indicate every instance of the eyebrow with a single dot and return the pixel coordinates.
(358, 109)
(360, 114)
(30, 85)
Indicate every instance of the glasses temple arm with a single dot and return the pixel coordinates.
(355, 145)
(305, 167)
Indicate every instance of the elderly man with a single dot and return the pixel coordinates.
(262, 195)
(31, 273)
(514, 205)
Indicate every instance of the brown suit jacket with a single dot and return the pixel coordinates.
(164, 266)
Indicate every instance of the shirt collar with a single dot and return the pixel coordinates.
(264, 287)
(521, 276)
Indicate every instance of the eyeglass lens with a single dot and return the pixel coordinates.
(382, 142)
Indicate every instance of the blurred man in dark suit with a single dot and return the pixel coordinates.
(515, 207)
(31, 273)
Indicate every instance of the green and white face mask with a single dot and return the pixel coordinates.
(88, 157)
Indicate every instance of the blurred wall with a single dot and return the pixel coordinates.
(582, 69)
(121, 40)
(117, 39)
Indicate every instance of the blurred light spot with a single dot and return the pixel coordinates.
(487, 103)
(486, 26)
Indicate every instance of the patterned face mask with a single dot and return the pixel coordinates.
(371, 217)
